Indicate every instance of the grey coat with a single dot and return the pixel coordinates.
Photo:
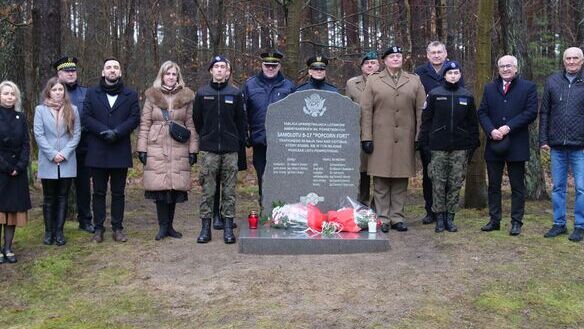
(50, 142)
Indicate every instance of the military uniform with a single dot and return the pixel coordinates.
(317, 63)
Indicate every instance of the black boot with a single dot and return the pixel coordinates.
(205, 235)
(492, 225)
(228, 235)
(440, 219)
(449, 223)
(171, 231)
(48, 218)
(60, 217)
(163, 219)
(218, 222)
(429, 218)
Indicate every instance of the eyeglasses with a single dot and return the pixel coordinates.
(506, 66)
(319, 69)
(271, 66)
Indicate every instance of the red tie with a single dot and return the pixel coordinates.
(506, 87)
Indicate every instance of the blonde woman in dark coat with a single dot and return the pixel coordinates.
(167, 162)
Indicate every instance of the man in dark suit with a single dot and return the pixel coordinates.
(111, 113)
(508, 106)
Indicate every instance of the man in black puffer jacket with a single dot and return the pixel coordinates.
(450, 130)
(219, 118)
(561, 130)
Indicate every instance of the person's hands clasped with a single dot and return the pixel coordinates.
(59, 158)
(504, 130)
(496, 135)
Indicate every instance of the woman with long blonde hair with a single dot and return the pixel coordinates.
(57, 130)
(14, 159)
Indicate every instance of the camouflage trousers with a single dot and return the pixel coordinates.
(224, 166)
(447, 170)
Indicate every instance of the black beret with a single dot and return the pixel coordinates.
(66, 64)
(392, 50)
(451, 65)
(217, 59)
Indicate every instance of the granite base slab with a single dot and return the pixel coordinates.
(271, 241)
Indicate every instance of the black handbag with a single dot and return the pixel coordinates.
(178, 132)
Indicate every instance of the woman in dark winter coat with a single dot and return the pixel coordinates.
(450, 131)
(167, 162)
(57, 130)
(14, 158)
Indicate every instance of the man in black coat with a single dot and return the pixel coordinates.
(508, 106)
(111, 113)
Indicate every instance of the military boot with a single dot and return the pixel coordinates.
(205, 235)
(449, 223)
(228, 235)
(440, 219)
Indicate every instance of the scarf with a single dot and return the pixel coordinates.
(170, 90)
(53, 104)
(112, 90)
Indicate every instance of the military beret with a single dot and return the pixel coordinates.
(271, 57)
(217, 59)
(451, 65)
(66, 64)
(392, 50)
(317, 62)
(368, 56)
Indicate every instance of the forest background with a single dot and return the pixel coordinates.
(145, 33)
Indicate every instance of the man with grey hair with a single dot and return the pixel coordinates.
(508, 106)
(431, 76)
(561, 132)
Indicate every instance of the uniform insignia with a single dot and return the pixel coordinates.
(318, 58)
(463, 101)
(442, 98)
(228, 99)
(209, 97)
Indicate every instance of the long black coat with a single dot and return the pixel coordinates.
(517, 109)
(98, 116)
(14, 155)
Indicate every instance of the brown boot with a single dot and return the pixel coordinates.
(119, 236)
(97, 236)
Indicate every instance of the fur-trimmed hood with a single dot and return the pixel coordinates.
(180, 99)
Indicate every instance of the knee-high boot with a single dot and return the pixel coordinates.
(48, 216)
(171, 231)
(163, 219)
(60, 217)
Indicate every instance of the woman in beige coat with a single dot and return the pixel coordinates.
(167, 162)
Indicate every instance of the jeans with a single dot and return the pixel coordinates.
(562, 159)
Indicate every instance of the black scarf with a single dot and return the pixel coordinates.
(112, 90)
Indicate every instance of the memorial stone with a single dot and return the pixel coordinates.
(313, 150)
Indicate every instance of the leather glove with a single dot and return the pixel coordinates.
(109, 136)
(143, 156)
(367, 146)
(417, 146)
(192, 158)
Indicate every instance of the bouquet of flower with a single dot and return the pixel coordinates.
(290, 216)
(362, 214)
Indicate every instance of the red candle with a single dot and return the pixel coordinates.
(253, 219)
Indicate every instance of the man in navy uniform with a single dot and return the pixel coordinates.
(67, 73)
(317, 72)
(259, 91)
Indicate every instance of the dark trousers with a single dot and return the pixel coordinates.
(516, 173)
(426, 157)
(117, 180)
(259, 163)
(83, 191)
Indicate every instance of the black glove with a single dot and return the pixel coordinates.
(143, 156)
(192, 158)
(417, 146)
(109, 136)
(248, 142)
(367, 146)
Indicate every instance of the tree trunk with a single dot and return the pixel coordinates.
(514, 33)
(475, 194)
(48, 36)
(293, 17)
